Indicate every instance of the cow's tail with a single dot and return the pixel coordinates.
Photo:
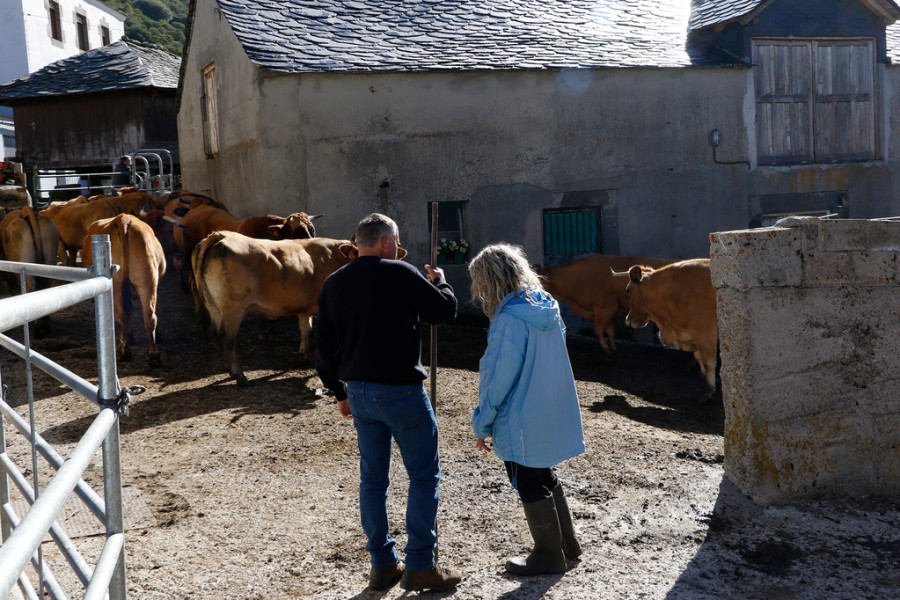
(32, 218)
(203, 300)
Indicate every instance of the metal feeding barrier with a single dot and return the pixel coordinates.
(152, 170)
(21, 538)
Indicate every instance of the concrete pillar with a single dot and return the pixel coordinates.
(809, 333)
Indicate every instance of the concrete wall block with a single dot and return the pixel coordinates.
(810, 371)
(846, 235)
(883, 236)
(805, 458)
(885, 458)
(856, 268)
(756, 258)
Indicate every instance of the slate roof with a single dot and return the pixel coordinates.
(125, 64)
(296, 36)
(713, 12)
(717, 12)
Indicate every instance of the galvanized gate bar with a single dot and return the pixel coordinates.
(20, 545)
(49, 271)
(62, 539)
(91, 499)
(106, 570)
(48, 578)
(31, 529)
(19, 309)
(83, 387)
(108, 393)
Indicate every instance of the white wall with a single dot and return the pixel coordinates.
(12, 32)
(25, 31)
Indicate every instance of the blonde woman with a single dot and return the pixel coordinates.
(527, 401)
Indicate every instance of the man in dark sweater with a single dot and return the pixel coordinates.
(368, 353)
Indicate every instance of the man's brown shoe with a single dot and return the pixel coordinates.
(382, 579)
(436, 579)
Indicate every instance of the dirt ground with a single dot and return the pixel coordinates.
(252, 492)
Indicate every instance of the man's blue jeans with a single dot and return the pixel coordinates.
(381, 412)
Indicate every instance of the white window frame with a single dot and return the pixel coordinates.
(54, 20)
(82, 39)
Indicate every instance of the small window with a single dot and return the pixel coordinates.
(81, 31)
(210, 113)
(55, 27)
(569, 232)
(104, 35)
(452, 245)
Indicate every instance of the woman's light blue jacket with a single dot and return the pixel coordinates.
(526, 397)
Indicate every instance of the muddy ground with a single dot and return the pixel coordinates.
(252, 492)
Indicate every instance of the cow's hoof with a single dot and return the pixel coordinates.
(243, 381)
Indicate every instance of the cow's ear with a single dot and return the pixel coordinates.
(349, 250)
(401, 253)
(635, 273)
(180, 211)
(275, 232)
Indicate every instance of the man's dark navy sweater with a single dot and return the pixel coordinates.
(370, 319)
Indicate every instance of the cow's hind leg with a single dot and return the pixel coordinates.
(226, 333)
(149, 306)
(123, 320)
(708, 369)
(306, 327)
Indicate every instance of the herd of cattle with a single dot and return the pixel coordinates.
(275, 266)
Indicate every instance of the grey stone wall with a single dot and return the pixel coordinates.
(809, 333)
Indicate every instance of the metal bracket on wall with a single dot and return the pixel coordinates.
(715, 138)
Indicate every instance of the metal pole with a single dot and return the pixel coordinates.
(433, 357)
(5, 525)
(108, 391)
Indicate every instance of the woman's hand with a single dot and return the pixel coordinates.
(481, 445)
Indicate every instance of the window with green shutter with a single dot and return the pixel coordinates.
(570, 232)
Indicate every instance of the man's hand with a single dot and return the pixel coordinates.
(344, 409)
(432, 273)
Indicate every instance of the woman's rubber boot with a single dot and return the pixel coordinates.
(547, 556)
(571, 547)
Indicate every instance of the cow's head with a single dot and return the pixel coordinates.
(637, 316)
(297, 226)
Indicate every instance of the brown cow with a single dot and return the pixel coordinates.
(199, 222)
(681, 300)
(237, 274)
(28, 236)
(137, 251)
(73, 220)
(593, 292)
(202, 220)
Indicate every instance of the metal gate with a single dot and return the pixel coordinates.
(152, 170)
(21, 537)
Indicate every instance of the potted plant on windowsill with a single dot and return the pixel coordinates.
(452, 252)
(443, 250)
(462, 247)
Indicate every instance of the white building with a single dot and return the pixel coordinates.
(36, 33)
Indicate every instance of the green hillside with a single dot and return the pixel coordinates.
(159, 22)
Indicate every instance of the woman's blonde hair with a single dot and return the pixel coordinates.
(498, 270)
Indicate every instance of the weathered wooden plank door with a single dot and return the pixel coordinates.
(815, 100)
(784, 102)
(845, 112)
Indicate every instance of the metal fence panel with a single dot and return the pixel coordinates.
(22, 537)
